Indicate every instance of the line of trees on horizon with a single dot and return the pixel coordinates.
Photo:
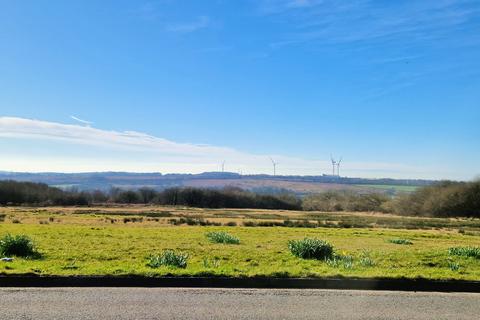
(39, 194)
(444, 199)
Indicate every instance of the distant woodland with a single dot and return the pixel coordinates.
(443, 199)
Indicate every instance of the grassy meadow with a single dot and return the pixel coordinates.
(119, 240)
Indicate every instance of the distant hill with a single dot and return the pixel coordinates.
(258, 183)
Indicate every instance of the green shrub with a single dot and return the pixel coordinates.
(345, 261)
(454, 266)
(193, 222)
(222, 237)
(20, 246)
(168, 258)
(366, 260)
(473, 252)
(400, 241)
(311, 248)
(214, 263)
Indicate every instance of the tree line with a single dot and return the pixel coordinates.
(445, 199)
(28, 193)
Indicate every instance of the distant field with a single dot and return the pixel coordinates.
(397, 188)
(301, 187)
(116, 241)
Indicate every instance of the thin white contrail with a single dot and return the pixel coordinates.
(88, 123)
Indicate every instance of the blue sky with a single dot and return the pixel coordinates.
(392, 86)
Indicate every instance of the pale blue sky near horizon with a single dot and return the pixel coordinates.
(387, 84)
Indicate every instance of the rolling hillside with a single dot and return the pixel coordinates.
(258, 183)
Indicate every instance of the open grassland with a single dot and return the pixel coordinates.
(98, 241)
(164, 215)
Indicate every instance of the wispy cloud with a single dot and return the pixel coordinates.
(187, 27)
(396, 34)
(331, 21)
(136, 151)
(85, 122)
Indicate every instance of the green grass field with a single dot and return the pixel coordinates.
(79, 244)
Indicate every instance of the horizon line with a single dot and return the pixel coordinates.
(223, 173)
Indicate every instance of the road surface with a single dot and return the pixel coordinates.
(192, 303)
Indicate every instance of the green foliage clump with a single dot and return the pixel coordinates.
(211, 263)
(168, 258)
(19, 246)
(311, 248)
(454, 266)
(345, 261)
(473, 252)
(222, 237)
(400, 241)
(366, 260)
(193, 222)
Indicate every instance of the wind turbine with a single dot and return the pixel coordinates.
(338, 166)
(274, 166)
(223, 166)
(334, 163)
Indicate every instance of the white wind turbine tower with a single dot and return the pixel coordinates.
(338, 166)
(274, 166)
(334, 163)
(223, 166)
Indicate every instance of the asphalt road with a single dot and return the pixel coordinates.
(180, 303)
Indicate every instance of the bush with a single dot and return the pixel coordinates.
(336, 260)
(400, 241)
(20, 246)
(444, 199)
(168, 258)
(453, 266)
(366, 260)
(344, 201)
(473, 252)
(222, 237)
(311, 248)
(193, 222)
